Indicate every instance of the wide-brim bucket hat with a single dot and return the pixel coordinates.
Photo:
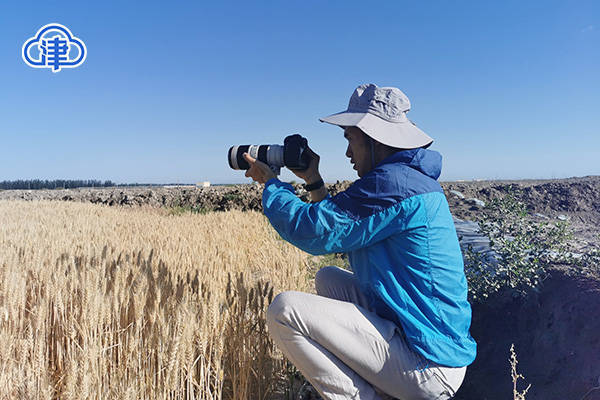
(380, 112)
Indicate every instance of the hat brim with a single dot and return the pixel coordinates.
(403, 135)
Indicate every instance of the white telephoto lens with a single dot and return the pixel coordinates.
(233, 157)
(253, 151)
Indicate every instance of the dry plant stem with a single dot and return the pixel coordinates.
(515, 375)
(591, 390)
(109, 303)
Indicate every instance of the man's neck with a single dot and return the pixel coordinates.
(381, 154)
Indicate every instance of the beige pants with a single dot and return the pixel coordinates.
(346, 351)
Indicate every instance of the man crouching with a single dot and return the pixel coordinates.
(398, 324)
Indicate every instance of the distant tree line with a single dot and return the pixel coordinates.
(54, 184)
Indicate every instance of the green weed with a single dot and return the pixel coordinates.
(525, 249)
(232, 196)
(193, 209)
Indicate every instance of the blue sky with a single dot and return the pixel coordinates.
(507, 89)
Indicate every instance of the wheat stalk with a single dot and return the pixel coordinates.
(106, 303)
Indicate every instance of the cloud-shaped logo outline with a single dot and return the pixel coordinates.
(41, 63)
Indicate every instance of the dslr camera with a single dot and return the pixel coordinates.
(293, 154)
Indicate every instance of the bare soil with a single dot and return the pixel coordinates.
(556, 330)
(556, 334)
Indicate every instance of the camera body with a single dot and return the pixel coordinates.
(293, 154)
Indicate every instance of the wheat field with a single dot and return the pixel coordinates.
(102, 302)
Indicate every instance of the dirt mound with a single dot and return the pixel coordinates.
(579, 197)
(214, 198)
(555, 333)
(218, 198)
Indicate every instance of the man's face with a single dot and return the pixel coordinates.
(358, 150)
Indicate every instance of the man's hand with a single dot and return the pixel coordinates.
(310, 174)
(259, 171)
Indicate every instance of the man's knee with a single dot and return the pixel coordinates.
(280, 308)
(324, 278)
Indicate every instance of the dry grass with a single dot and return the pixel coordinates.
(106, 303)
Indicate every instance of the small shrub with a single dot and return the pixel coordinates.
(232, 196)
(195, 209)
(524, 249)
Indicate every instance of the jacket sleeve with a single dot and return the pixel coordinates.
(326, 226)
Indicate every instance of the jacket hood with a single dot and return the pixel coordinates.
(428, 162)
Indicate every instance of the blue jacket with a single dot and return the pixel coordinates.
(396, 226)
